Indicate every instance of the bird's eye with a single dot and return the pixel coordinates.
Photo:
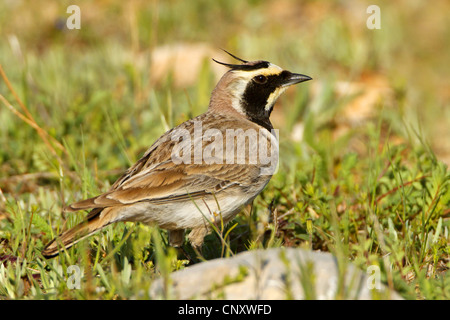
(260, 79)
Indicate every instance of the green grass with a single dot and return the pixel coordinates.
(376, 191)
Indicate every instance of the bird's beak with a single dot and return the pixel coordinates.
(295, 78)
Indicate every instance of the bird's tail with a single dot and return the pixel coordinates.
(93, 223)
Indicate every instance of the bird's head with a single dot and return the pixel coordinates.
(252, 87)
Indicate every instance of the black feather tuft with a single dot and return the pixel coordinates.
(248, 66)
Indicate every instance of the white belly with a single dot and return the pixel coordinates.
(186, 214)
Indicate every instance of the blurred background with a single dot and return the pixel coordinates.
(79, 106)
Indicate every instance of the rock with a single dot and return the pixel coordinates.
(275, 274)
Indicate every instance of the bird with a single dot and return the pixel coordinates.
(201, 172)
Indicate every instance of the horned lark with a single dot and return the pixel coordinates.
(204, 170)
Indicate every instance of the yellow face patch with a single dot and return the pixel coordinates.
(273, 97)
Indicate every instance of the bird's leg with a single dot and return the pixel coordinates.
(176, 238)
(197, 235)
(196, 238)
(249, 209)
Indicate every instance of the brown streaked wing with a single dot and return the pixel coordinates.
(175, 184)
(156, 178)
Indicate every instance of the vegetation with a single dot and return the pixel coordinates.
(363, 147)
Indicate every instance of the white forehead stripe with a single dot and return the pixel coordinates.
(272, 69)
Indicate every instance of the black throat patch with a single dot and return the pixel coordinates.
(256, 95)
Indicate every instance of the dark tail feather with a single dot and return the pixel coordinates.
(72, 236)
